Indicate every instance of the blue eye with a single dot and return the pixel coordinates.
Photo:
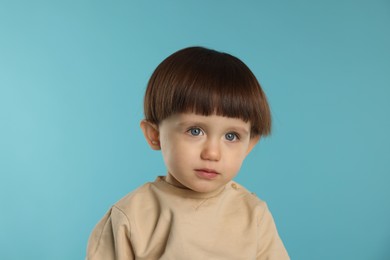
(195, 131)
(231, 136)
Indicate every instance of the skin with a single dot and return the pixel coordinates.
(201, 153)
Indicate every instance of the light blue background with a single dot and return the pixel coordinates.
(72, 78)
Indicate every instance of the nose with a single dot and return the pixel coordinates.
(211, 151)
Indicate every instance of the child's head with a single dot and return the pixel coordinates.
(206, 82)
(205, 110)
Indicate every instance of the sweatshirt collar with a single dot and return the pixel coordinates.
(185, 193)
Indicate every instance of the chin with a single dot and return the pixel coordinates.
(205, 188)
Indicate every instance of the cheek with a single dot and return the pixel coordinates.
(176, 155)
(236, 159)
(236, 164)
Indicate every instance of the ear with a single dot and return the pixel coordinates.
(151, 134)
(252, 142)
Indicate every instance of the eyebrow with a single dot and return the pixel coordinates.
(189, 123)
(240, 129)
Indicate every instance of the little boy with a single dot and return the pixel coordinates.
(205, 111)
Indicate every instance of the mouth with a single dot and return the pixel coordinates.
(207, 174)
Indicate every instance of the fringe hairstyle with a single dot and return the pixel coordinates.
(206, 82)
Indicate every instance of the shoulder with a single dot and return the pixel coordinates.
(245, 197)
(121, 211)
(241, 192)
(135, 198)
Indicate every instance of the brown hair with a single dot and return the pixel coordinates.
(205, 82)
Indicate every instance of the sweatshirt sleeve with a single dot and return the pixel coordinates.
(110, 239)
(270, 246)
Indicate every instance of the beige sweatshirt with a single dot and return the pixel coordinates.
(161, 221)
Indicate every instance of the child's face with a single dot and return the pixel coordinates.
(203, 153)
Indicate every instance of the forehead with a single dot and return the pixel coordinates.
(190, 119)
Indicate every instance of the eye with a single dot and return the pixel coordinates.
(231, 137)
(195, 131)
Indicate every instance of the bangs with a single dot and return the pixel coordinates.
(207, 82)
(220, 90)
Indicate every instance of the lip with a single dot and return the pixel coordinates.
(207, 174)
